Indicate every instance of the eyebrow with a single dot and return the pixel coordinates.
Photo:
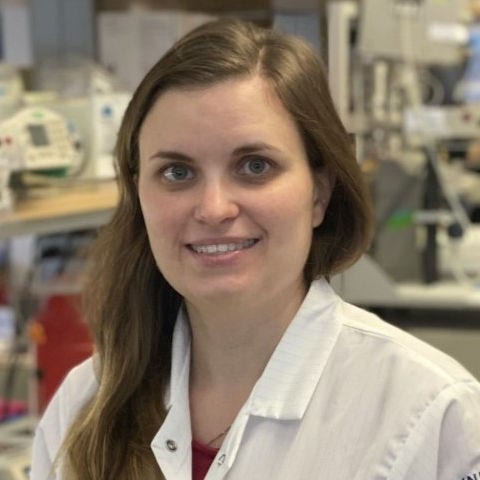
(171, 155)
(242, 150)
(253, 147)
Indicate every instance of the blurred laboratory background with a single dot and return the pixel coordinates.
(405, 77)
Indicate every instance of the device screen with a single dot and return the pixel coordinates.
(38, 135)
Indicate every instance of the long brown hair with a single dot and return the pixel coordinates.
(130, 307)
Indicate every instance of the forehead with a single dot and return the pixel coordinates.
(229, 110)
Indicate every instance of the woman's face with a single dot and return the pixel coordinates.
(226, 191)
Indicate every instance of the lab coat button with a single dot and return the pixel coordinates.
(171, 445)
(221, 459)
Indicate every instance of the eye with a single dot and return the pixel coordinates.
(178, 173)
(255, 166)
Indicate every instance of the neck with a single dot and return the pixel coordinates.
(232, 344)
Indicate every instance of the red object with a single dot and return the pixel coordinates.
(67, 343)
(3, 295)
(202, 458)
(12, 409)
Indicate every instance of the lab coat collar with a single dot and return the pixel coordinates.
(172, 443)
(290, 377)
(180, 369)
(283, 391)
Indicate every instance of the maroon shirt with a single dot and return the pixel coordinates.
(202, 458)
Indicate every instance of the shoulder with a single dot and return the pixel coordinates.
(77, 388)
(389, 370)
(414, 406)
(367, 347)
(403, 351)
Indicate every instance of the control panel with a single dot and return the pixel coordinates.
(36, 138)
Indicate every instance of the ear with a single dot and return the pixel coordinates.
(324, 183)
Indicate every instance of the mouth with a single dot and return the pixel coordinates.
(222, 248)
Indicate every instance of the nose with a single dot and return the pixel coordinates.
(215, 204)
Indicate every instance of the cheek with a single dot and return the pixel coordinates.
(301, 206)
(160, 215)
(147, 204)
(289, 217)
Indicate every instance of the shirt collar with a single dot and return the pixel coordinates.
(292, 373)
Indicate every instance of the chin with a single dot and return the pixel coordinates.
(219, 291)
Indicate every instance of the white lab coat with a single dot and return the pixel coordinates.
(344, 395)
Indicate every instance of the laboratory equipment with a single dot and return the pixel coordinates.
(11, 90)
(73, 76)
(14, 460)
(427, 31)
(6, 198)
(97, 118)
(107, 112)
(469, 89)
(16, 439)
(92, 99)
(442, 122)
(381, 58)
(36, 140)
(460, 253)
(385, 46)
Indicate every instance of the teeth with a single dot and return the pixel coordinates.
(222, 247)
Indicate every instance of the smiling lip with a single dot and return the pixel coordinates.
(221, 247)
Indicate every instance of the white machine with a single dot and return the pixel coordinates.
(97, 118)
(85, 93)
(427, 31)
(39, 139)
(36, 139)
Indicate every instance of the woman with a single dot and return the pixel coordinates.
(221, 347)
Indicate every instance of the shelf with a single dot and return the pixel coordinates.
(60, 210)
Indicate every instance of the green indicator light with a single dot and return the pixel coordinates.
(400, 219)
